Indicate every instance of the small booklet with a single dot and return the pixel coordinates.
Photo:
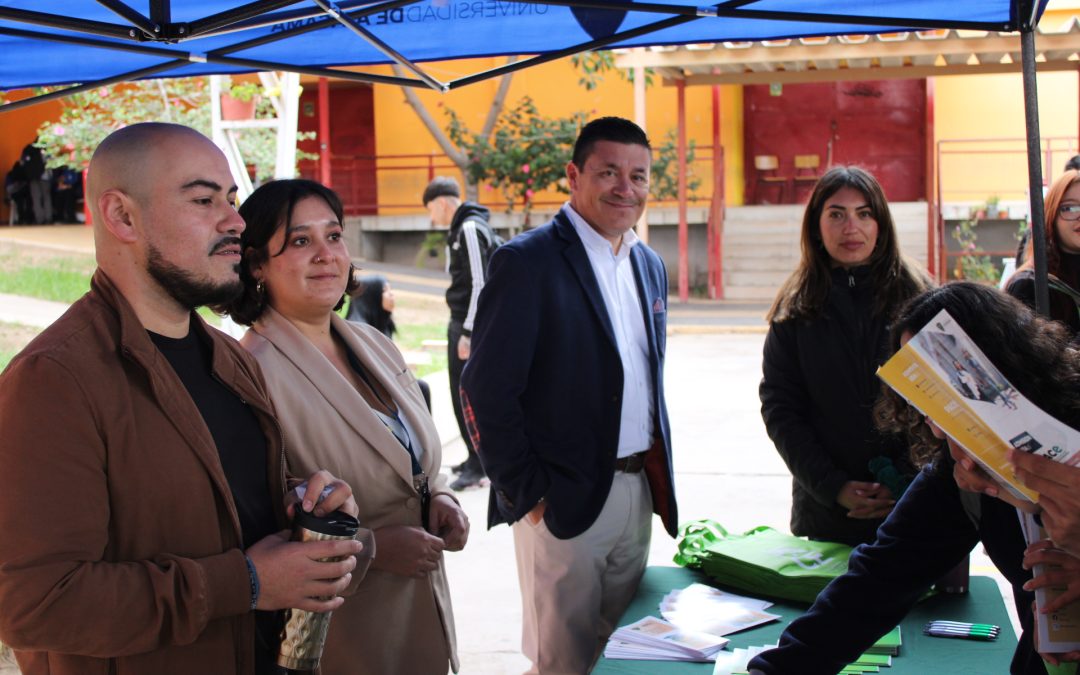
(654, 639)
(700, 608)
(1059, 631)
(943, 373)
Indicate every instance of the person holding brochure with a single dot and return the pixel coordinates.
(346, 399)
(937, 521)
(1062, 226)
(827, 335)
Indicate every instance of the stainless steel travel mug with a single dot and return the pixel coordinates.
(304, 635)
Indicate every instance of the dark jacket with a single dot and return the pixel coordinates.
(1063, 307)
(468, 244)
(933, 527)
(544, 382)
(817, 393)
(120, 544)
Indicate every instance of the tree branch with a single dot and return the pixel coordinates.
(456, 156)
(498, 101)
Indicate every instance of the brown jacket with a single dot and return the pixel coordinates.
(119, 539)
(392, 625)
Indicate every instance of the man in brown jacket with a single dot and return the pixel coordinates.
(144, 483)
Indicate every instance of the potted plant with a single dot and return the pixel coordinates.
(238, 100)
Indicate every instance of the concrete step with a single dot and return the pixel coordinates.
(755, 278)
(763, 294)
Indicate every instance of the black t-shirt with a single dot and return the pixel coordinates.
(241, 446)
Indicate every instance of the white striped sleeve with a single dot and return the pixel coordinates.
(476, 269)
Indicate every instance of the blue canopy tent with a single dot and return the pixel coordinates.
(86, 44)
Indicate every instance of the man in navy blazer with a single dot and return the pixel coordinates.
(565, 402)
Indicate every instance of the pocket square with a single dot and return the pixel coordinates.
(658, 306)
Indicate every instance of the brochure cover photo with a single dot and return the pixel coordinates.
(944, 374)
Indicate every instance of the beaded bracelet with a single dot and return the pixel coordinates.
(253, 577)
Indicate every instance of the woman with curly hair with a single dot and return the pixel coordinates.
(939, 519)
(826, 339)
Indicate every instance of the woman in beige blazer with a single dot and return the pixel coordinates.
(348, 403)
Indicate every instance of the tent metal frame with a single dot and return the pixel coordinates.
(144, 34)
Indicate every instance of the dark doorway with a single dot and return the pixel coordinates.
(878, 125)
(352, 144)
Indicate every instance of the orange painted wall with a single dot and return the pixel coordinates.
(555, 90)
(19, 128)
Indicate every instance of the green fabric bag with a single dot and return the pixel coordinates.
(762, 561)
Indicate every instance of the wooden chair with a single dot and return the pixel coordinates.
(806, 173)
(766, 167)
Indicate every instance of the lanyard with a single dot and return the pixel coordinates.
(396, 427)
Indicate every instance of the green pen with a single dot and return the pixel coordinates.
(962, 624)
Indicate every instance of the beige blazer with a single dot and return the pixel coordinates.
(392, 624)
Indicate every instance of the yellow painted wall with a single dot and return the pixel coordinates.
(992, 107)
(555, 90)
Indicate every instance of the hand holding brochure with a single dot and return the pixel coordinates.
(947, 377)
(1059, 631)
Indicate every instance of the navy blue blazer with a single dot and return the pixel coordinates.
(543, 385)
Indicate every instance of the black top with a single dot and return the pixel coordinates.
(459, 293)
(242, 449)
(929, 532)
(817, 394)
(1063, 308)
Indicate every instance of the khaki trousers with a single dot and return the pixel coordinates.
(573, 591)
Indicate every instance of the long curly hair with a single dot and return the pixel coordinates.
(1032, 352)
(895, 278)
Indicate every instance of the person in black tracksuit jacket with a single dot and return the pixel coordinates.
(469, 243)
(827, 336)
(936, 523)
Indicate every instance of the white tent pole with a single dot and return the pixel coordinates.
(288, 118)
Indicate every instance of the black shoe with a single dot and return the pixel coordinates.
(459, 468)
(469, 478)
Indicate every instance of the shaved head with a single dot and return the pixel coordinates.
(166, 229)
(128, 158)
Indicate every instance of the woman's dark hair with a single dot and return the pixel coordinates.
(895, 278)
(269, 208)
(366, 305)
(1032, 353)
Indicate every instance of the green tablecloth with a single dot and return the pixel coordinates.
(919, 654)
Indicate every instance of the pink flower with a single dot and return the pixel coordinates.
(488, 187)
(103, 92)
(59, 130)
(524, 168)
(528, 182)
(528, 194)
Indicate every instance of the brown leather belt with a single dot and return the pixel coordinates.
(631, 464)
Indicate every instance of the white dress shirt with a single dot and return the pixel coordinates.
(615, 275)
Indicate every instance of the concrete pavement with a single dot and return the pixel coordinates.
(725, 465)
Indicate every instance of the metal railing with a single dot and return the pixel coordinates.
(359, 179)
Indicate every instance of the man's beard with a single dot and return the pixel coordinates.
(189, 292)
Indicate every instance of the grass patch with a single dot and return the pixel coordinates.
(61, 279)
(411, 338)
